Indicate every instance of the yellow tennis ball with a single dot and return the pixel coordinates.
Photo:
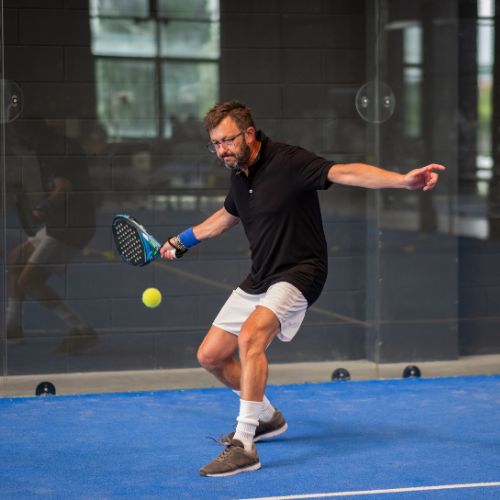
(151, 297)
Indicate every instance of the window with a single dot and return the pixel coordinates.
(412, 74)
(156, 63)
(485, 62)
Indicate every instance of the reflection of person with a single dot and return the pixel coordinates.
(273, 194)
(66, 218)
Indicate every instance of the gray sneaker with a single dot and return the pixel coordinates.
(265, 430)
(233, 460)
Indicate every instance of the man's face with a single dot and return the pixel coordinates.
(231, 145)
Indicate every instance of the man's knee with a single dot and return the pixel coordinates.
(209, 358)
(204, 358)
(257, 333)
(251, 342)
(218, 347)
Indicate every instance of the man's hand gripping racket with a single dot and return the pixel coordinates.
(136, 246)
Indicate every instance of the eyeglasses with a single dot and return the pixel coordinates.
(229, 141)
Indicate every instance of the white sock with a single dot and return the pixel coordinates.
(267, 410)
(69, 315)
(14, 313)
(248, 420)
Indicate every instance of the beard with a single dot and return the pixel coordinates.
(234, 161)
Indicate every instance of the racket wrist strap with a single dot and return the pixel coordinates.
(175, 242)
(187, 238)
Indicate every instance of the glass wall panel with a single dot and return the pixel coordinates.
(103, 110)
(438, 60)
(414, 271)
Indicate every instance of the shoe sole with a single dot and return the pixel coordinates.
(250, 468)
(271, 434)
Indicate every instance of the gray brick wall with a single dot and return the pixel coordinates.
(298, 66)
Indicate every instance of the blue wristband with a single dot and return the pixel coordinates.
(188, 239)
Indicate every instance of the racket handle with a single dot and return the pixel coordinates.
(176, 254)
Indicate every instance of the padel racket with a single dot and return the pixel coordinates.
(134, 244)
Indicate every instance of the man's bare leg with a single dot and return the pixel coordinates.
(256, 334)
(217, 355)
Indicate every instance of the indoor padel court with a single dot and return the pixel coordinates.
(194, 191)
(409, 438)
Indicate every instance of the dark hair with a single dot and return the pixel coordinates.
(241, 114)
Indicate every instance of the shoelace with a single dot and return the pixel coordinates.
(225, 452)
(218, 440)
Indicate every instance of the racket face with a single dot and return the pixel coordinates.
(134, 244)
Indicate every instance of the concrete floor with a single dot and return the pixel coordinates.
(155, 380)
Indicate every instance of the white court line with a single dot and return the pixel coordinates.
(381, 492)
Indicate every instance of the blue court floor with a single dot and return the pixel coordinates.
(397, 439)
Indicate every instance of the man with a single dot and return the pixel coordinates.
(273, 194)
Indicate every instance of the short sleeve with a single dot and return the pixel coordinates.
(309, 170)
(230, 205)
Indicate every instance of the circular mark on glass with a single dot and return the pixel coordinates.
(13, 100)
(375, 102)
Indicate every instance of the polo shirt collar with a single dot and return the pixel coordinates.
(264, 144)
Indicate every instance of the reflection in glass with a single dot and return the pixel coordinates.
(59, 220)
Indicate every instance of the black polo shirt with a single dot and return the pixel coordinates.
(279, 208)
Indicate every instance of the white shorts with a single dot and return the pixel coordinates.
(49, 251)
(285, 300)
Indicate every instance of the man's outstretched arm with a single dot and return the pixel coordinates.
(368, 176)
